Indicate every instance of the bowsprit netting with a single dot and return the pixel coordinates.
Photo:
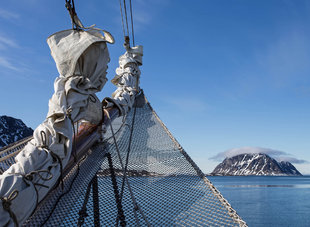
(167, 185)
(8, 153)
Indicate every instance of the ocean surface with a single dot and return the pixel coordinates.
(267, 200)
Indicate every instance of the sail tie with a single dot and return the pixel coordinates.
(6, 204)
(54, 156)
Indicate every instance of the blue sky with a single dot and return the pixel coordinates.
(225, 76)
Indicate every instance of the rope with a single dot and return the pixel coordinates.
(120, 6)
(63, 194)
(120, 211)
(135, 205)
(83, 212)
(71, 8)
(132, 31)
(128, 150)
(232, 213)
(54, 156)
(125, 10)
(96, 207)
(69, 111)
(29, 178)
(126, 33)
(121, 162)
(6, 204)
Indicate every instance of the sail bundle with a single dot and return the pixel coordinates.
(81, 58)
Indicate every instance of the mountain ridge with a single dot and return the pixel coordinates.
(254, 164)
(12, 130)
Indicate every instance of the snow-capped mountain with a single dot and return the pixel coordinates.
(12, 130)
(254, 164)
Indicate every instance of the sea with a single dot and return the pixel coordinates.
(267, 200)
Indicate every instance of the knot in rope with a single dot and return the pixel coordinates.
(7, 201)
(76, 23)
(44, 140)
(68, 113)
(30, 176)
(6, 204)
(54, 156)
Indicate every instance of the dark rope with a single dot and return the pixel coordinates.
(128, 149)
(135, 205)
(83, 212)
(120, 211)
(132, 30)
(96, 207)
(71, 8)
(73, 142)
(6, 204)
(126, 18)
(57, 158)
(54, 156)
(92, 98)
(30, 177)
(123, 26)
(63, 194)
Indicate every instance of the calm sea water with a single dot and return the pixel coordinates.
(268, 201)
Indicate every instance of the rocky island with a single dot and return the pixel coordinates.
(254, 164)
(12, 130)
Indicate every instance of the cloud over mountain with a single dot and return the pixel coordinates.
(278, 155)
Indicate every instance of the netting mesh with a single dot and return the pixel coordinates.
(8, 153)
(167, 186)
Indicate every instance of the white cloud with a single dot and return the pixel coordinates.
(186, 104)
(286, 59)
(4, 62)
(144, 11)
(246, 150)
(7, 42)
(8, 15)
(292, 160)
(276, 154)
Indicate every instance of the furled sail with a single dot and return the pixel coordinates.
(81, 58)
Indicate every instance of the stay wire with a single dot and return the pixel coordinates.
(128, 150)
(126, 32)
(125, 10)
(132, 30)
(122, 166)
(120, 6)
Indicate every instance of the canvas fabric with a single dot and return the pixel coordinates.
(81, 58)
(127, 80)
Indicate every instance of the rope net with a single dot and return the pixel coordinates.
(167, 186)
(8, 153)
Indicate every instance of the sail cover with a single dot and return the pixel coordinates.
(81, 58)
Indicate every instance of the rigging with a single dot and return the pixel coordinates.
(123, 7)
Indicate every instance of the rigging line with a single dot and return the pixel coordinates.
(126, 165)
(134, 202)
(132, 32)
(128, 149)
(64, 193)
(120, 6)
(122, 166)
(125, 10)
(73, 7)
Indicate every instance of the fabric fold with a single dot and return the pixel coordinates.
(81, 58)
